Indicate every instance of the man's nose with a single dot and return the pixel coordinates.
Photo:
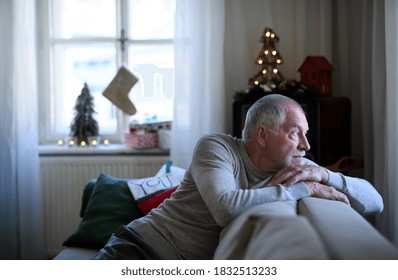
(304, 145)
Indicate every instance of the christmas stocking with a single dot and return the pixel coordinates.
(119, 88)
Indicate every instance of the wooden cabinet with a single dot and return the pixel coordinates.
(329, 120)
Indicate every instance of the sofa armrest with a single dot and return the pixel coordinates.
(270, 231)
(344, 232)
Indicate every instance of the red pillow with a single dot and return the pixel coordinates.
(147, 203)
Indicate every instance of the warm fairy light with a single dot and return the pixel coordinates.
(83, 143)
(106, 142)
(269, 60)
(71, 142)
(60, 142)
(94, 142)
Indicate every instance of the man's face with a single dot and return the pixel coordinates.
(288, 145)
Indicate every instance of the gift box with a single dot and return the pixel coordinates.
(141, 140)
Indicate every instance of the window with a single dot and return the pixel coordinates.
(86, 41)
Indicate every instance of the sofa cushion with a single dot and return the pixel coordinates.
(270, 231)
(145, 186)
(110, 205)
(344, 232)
(87, 192)
(153, 200)
(74, 253)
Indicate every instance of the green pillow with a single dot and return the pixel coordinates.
(111, 204)
(87, 192)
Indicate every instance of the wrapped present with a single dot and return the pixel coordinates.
(141, 139)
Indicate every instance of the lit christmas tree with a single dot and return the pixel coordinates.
(84, 124)
(269, 59)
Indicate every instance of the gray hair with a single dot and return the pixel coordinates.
(269, 111)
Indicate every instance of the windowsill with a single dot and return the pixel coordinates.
(112, 149)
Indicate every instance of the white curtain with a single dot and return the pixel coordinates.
(199, 75)
(218, 41)
(366, 55)
(21, 224)
(385, 112)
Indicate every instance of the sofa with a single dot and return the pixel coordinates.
(308, 229)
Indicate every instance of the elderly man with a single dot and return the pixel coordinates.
(228, 176)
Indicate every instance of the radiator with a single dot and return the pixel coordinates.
(62, 182)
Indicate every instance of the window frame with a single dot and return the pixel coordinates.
(45, 43)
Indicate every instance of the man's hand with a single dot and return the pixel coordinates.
(323, 191)
(300, 173)
(315, 177)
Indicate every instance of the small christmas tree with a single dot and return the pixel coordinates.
(269, 59)
(84, 124)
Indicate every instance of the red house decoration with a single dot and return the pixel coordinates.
(316, 72)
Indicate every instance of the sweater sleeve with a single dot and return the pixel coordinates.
(214, 167)
(362, 195)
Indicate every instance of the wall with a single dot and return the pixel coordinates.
(309, 27)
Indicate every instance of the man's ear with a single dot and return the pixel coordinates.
(262, 135)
